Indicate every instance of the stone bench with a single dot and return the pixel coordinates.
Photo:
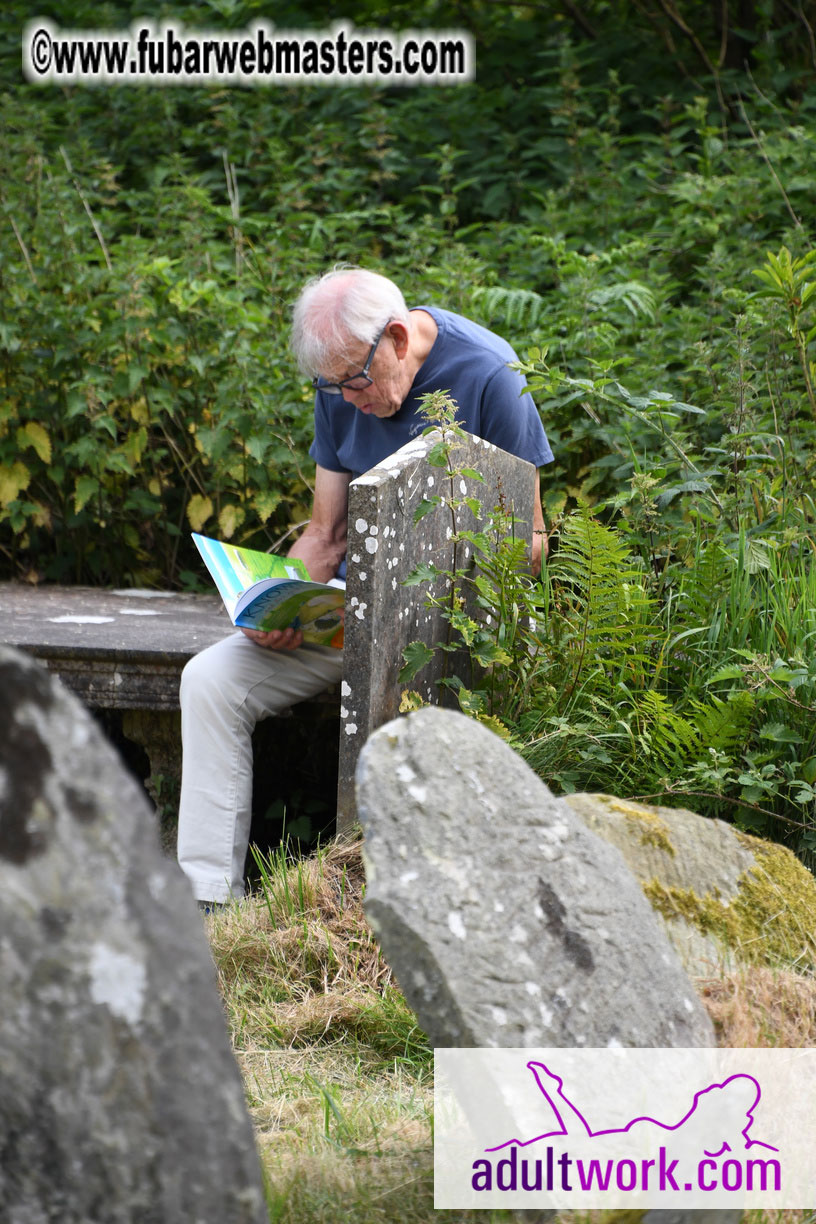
(122, 653)
(120, 649)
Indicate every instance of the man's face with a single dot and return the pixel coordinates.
(390, 381)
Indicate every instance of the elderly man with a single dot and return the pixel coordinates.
(371, 359)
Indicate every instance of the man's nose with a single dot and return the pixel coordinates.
(352, 396)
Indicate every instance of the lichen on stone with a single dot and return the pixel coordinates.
(772, 919)
(652, 829)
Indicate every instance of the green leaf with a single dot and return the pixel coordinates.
(463, 624)
(470, 702)
(411, 700)
(782, 674)
(108, 424)
(256, 447)
(683, 407)
(416, 656)
(117, 461)
(265, 503)
(35, 435)
(756, 556)
(199, 509)
(438, 457)
(488, 653)
(484, 588)
(780, 733)
(85, 449)
(426, 571)
(13, 479)
(135, 375)
(732, 671)
(494, 724)
(230, 519)
(425, 507)
(666, 496)
(75, 404)
(85, 488)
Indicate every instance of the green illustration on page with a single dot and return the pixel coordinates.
(263, 591)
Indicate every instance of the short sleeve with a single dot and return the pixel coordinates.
(510, 418)
(324, 447)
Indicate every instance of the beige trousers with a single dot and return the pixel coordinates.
(225, 691)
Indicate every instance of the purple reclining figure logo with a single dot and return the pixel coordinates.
(741, 1094)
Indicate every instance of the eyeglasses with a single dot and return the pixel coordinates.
(354, 382)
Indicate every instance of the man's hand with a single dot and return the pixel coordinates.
(276, 639)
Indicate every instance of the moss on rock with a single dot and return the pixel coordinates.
(771, 921)
(652, 830)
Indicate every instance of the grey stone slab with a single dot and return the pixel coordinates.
(506, 921)
(114, 649)
(384, 547)
(120, 1100)
(130, 621)
(679, 848)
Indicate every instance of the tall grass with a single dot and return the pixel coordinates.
(297, 964)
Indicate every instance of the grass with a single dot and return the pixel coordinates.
(298, 965)
(338, 1075)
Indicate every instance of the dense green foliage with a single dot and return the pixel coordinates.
(658, 657)
(625, 193)
(574, 197)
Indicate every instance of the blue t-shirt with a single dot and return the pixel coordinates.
(467, 361)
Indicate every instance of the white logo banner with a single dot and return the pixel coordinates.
(625, 1128)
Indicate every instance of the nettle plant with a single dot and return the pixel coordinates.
(788, 280)
(488, 597)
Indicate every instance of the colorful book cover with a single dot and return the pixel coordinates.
(264, 591)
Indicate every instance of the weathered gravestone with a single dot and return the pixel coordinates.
(506, 921)
(120, 1100)
(384, 547)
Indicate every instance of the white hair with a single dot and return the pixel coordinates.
(334, 311)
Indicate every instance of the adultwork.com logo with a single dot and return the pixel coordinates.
(625, 1128)
(711, 1142)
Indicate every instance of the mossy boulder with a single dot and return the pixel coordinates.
(725, 897)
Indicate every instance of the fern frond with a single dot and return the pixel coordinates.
(635, 296)
(707, 585)
(599, 581)
(513, 307)
(724, 724)
(665, 734)
(601, 618)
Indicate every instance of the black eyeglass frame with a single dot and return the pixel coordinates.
(336, 388)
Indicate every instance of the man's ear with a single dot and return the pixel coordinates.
(398, 333)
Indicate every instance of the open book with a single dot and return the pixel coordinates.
(263, 591)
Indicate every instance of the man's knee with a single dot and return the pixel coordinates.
(203, 677)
